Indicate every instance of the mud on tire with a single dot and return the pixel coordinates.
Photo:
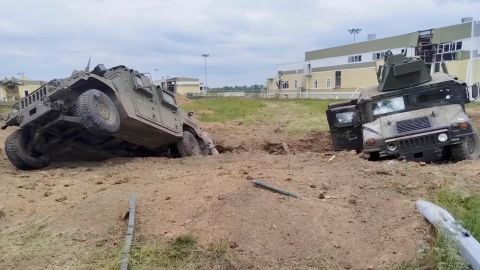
(15, 148)
(188, 146)
(466, 150)
(97, 112)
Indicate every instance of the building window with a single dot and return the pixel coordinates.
(354, 59)
(285, 85)
(295, 83)
(378, 56)
(26, 92)
(315, 84)
(328, 83)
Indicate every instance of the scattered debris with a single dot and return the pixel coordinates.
(277, 148)
(61, 199)
(233, 244)
(332, 158)
(286, 149)
(321, 196)
(313, 186)
(275, 189)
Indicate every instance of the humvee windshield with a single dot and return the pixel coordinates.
(412, 102)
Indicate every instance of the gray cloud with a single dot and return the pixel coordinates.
(47, 39)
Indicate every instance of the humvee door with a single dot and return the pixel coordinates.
(345, 126)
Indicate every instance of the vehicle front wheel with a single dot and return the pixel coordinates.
(19, 156)
(466, 150)
(374, 156)
(97, 112)
(189, 145)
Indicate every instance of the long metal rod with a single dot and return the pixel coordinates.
(129, 236)
(272, 188)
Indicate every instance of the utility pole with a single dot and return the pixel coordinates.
(156, 74)
(205, 55)
(354, 31)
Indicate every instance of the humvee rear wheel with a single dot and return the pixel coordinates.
(97, 112)
(19, 156)
(189, 145)
(467, 149)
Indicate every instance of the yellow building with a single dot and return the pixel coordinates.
(13, 89)
(184, 85)
(344, 71)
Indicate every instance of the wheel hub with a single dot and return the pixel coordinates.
(103, 110)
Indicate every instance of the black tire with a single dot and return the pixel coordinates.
(189, 145)
(466, 150)
(15, 148)
(374, 156)
(97, 112)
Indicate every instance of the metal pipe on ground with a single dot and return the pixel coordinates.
(129, 236)
(275, 189)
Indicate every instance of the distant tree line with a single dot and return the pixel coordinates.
(255, 88)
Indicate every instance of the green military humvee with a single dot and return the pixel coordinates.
(116, 111)
(412, 114)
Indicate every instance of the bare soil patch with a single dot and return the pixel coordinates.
(353, 214)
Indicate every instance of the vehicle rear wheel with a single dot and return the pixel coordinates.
(19, 156)
(467, 149)
(97, 112)
(374, 156)
(189, 145)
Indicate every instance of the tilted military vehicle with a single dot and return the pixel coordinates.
(412, 114)
(118, 111)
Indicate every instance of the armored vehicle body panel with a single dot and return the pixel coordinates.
(425, 120)
(118, 111)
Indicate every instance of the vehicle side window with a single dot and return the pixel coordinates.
(169, 99)
(139, 81)
(344, 117)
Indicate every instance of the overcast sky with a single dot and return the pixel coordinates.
(48, 39)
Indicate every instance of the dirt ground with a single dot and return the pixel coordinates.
(352, 214)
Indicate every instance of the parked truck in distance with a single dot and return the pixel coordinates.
(116, 111)
(411, 114)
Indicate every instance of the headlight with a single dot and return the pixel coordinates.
(442, 137)
(371, 142)
(392, 146)
(460, 125)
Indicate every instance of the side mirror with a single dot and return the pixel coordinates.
(475, 91)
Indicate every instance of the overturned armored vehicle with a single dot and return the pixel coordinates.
(107, 112)
(412, 114)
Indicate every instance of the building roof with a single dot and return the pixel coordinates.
(184, 79)
(439, 35)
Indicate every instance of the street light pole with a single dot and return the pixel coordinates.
(354, 31)
(205, 55)
(156, 74)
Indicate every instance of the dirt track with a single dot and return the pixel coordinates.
(353, 213)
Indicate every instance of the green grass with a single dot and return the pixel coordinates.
(466, 209)
(223, 109)
(444, 253)
(295, 116)
(181, 253)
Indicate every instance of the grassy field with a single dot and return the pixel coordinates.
(299, 116)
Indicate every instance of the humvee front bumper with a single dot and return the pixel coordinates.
(427, 146)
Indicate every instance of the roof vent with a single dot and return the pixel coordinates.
(467, 19)
(371, 36)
